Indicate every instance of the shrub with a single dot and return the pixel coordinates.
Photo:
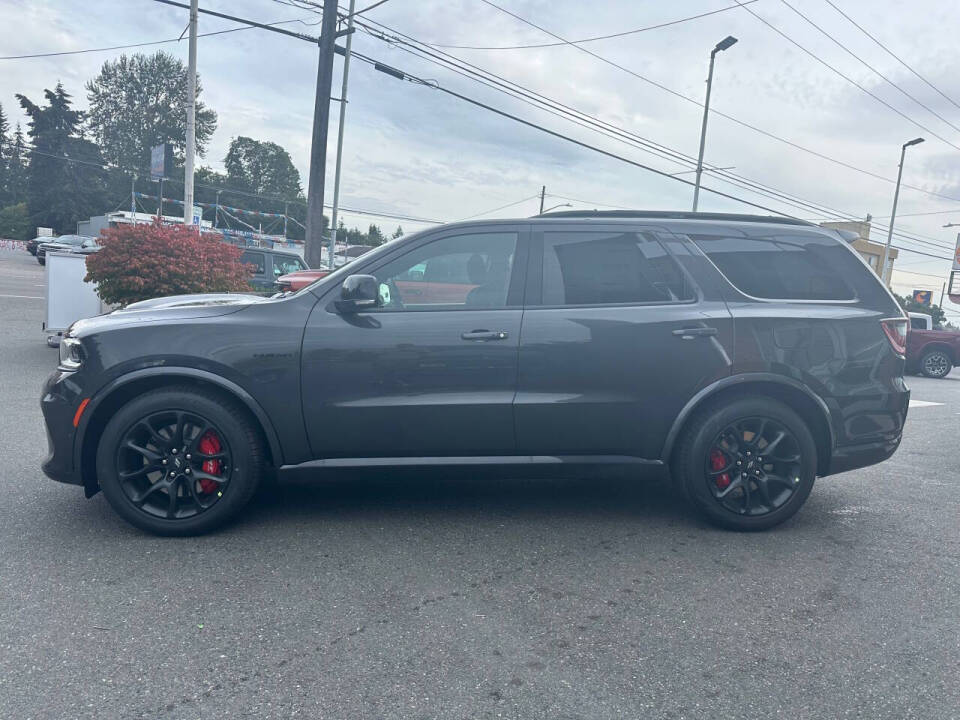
(139, 262)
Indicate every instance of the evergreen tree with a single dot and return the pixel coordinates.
(5, 151)
(66, 177)
(398, 233)
(16, 159)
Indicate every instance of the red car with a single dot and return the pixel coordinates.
(299, 279)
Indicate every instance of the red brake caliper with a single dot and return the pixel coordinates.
(718, 461)
(210, 445)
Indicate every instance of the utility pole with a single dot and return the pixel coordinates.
(884, 274)
(343, 117)
(286, 212)
(216, 210)
(191, 117)
(133, 199)
(943, 290)
(313, 241)
(543, 194)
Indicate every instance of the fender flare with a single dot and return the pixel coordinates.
(732, 381)
(173, 372)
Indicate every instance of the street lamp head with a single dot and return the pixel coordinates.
(727, 42)
(915, 141)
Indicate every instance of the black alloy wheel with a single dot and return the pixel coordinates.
(746, 463)
(180, 460)
(174, 464)
(753, 466)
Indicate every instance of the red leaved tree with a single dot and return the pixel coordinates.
(139, 262)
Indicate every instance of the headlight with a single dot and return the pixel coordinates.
(71, 354)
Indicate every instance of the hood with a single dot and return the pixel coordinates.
(166, 309)
(198, 300)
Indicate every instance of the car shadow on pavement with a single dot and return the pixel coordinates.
(416, 494)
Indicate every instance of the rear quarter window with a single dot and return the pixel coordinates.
(784, 267)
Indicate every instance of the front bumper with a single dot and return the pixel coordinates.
(59, 402)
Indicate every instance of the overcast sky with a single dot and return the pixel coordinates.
(415, 151)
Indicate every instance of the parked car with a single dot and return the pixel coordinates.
(64, 243)
(269, 265)
(742, 356)
(32, 245)
(291, 282)
(88, 246)
(931, 352)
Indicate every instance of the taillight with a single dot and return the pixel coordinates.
(896, 331)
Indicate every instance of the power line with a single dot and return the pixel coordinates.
(870, 67)
(731, 118)
(368, 8)
(608, 130)
(893, 55)
(502, 207)
(142, 44)
(595, 38)
(841, 74)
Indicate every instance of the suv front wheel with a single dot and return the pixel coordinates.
(747, 465)
(179, 461)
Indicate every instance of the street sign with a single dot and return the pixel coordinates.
(923, 297)
(44, 232)
(197, 215)
(161, 161)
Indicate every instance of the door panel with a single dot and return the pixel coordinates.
(610, 378)
(433, 373)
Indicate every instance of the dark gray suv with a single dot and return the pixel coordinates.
(742, 356)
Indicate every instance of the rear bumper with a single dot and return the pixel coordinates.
(872, 431)
(858, 456)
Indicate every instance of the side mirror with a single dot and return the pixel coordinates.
(358, 293)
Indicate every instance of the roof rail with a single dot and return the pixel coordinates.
(675, 215)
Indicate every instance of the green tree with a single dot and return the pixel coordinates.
(375, 236)
(936, 313)
(66, 176)
(262, 168)
(398, 233)
(138, 102)
(17, 170)
(4, 153)
(15, 222)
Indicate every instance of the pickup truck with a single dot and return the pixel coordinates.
(931, 352)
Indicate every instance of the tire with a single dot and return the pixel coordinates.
(41, 260)
(936, 363)
(215, 490)
(777, 488)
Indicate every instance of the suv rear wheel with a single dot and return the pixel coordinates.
(179, 461)
(747, 465)
(936, 363)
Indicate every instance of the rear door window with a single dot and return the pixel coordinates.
(256, 259)
(784, 267)
(609, 267)
(283, 265)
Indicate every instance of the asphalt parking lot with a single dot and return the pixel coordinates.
(456, 597)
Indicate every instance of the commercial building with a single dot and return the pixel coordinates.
(870, 251)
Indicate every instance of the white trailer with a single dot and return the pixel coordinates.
(69, 298)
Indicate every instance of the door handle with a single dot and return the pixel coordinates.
(482, 335)
(691, 333)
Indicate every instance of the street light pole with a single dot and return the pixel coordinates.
(343, 117)
(727, 42)
(191, 118)
(884, 273)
